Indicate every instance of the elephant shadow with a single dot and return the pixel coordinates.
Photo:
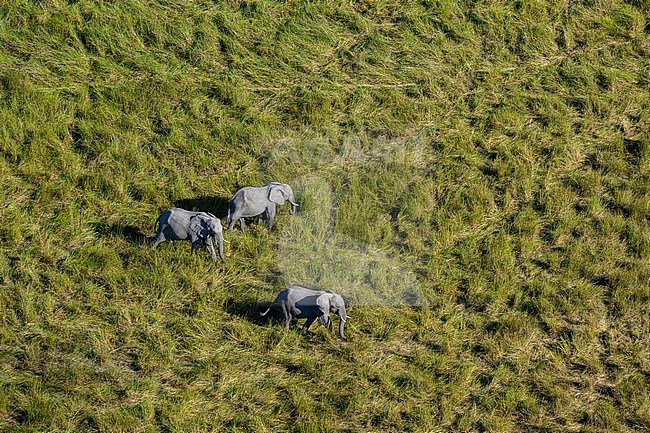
(250, 310)
(217, 206)
(131, 233)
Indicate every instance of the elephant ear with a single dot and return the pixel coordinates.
(276, 195)
(323, 303)
(196, 229)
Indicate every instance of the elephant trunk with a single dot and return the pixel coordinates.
(341, 326)
(294, 206)
(211, 249)
(219, 239)
(344, 317)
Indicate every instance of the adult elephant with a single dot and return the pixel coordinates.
(251, 201)
(303, 303)
(198, 227)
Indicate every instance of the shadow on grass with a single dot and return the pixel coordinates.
(217, 206)
(250, 310)
(131, 233)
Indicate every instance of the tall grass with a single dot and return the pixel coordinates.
(493, 156)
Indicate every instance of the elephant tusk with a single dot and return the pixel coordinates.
(294, 204)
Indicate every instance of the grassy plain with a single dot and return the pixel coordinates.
(496, 155)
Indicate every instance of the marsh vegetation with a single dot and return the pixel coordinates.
(493, 156)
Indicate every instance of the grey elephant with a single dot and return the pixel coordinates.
(302, 303)
(251, 201)
(198, 227)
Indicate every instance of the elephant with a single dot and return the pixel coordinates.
(251, 201)
(302, 303)
(198, 227)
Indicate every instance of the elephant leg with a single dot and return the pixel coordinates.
(233, 218)
(270, 214)
(308, 323)
(287, 315)
(242, 224)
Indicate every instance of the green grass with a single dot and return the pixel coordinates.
(493, 158)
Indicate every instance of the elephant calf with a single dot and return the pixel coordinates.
(251, 201)
(198, 227)
(301, 303)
